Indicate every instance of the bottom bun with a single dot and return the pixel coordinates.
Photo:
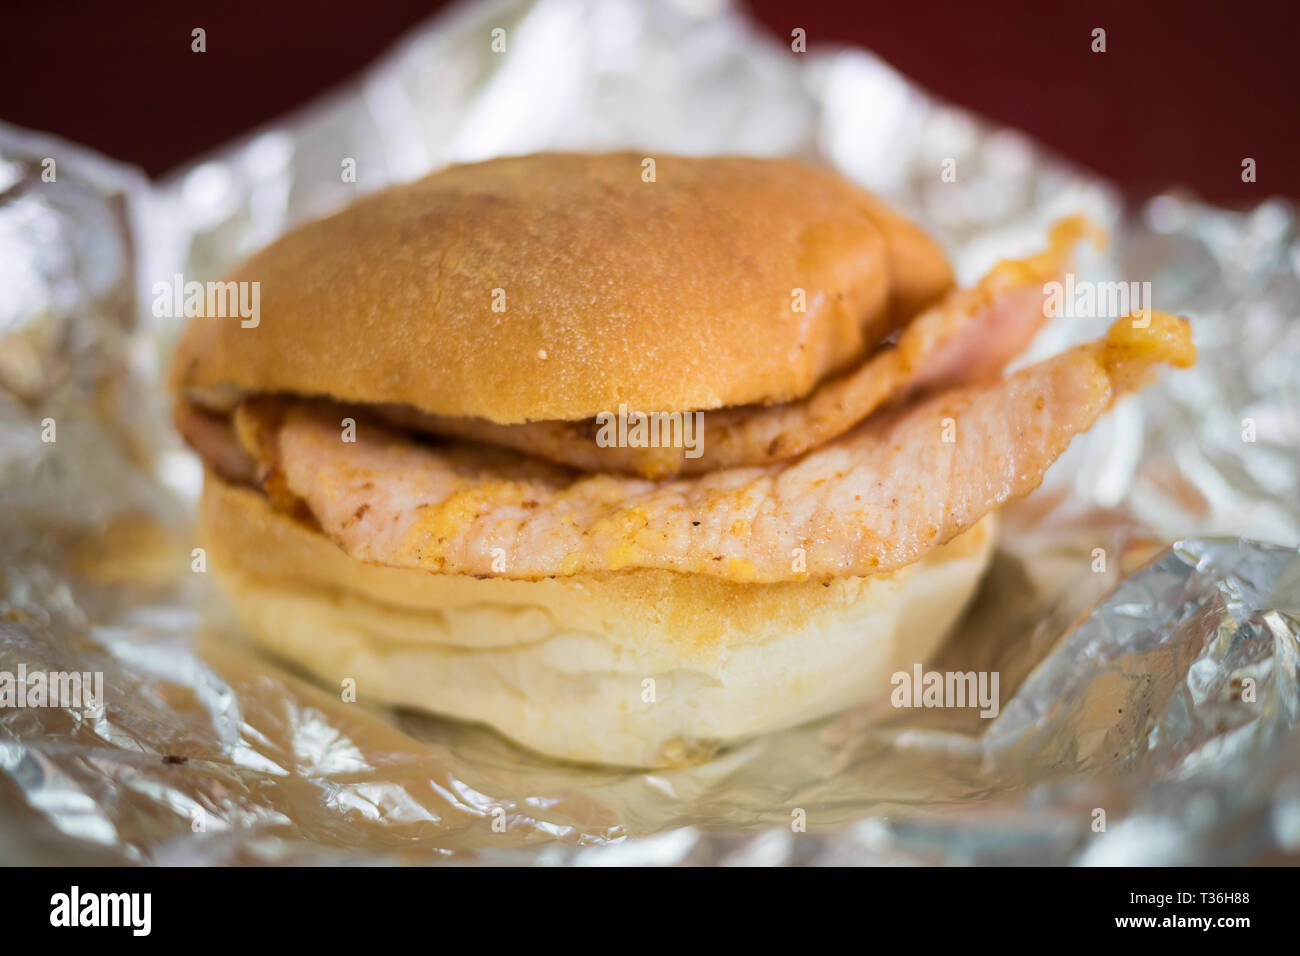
(636, 668)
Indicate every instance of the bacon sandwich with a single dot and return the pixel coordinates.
(625, 460)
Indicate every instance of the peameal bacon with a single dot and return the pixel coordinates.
(872, 500)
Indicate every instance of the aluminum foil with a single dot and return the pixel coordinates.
(1149, 699)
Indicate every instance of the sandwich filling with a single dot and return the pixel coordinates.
(867, 474)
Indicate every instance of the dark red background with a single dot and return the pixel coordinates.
(1187, 89)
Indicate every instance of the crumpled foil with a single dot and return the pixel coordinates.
(1150, 698)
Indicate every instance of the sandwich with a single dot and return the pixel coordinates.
(628, 467)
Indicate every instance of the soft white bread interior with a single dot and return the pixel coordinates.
(637, 668)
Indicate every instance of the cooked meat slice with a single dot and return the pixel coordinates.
(969, 336)
(873, 500)
(212, 436)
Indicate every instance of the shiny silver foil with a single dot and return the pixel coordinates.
(1149, 699)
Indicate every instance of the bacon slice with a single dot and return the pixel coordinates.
(873, 500)
(211, 435)
(969, 336)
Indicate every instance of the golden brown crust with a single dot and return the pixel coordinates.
(672, 295)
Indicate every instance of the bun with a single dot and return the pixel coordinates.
(672, 295)
(561, 665)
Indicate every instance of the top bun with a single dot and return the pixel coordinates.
(559, 285)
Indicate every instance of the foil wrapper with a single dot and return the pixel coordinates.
(1149, 699)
